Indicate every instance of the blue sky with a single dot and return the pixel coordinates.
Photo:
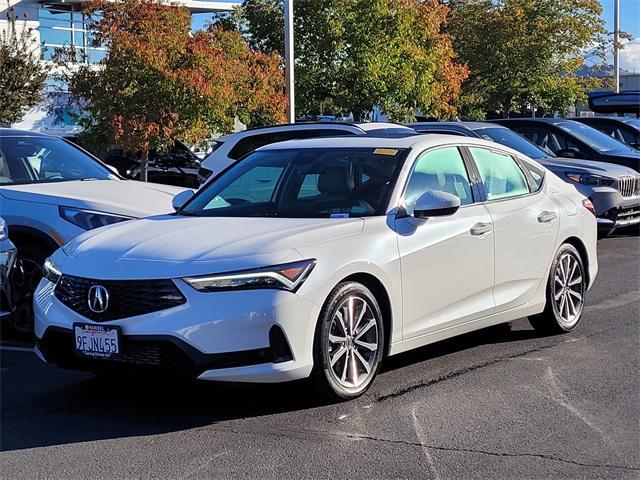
(629, 22)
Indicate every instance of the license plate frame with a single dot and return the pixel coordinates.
(104, 341)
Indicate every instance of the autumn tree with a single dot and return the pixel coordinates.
(22, 75)
(354, 55)
(523, 53)
(158, 83)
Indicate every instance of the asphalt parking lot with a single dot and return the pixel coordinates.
(499, 403)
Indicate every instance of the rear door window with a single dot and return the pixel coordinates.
(500, 174)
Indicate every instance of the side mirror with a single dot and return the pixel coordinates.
(180, 199)
(436, 204)
(569, 153)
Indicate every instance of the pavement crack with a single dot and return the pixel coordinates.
(459, 372)
(463, 371)
(442, 448)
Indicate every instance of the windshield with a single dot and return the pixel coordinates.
(633, 122)
(309, 183)
(511, 139)
(34, 159)
(594, 138)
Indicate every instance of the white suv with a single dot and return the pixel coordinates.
(52, 191)
(228, 149)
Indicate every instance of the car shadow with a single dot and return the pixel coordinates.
(44, 406)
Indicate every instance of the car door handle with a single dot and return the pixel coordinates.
(547, 216)
(481, 228)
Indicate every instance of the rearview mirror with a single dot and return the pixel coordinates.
(436, 204)
(180, 199)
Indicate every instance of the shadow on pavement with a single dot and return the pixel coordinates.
(42, 405)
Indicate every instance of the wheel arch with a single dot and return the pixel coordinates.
(384, 302)
(584, 255)
(21, 235)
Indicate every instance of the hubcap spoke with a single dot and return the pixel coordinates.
(369, 346)
(354, 369)
(360, 317)
(338, 355)
(575, 294)
(364, 363)
(365, 329)
(344, 368)
(575, 281)
(337, 339)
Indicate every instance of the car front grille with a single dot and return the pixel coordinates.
(126, 298)
(629, 185)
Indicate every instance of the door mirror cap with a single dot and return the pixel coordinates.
(569, 153)
(436, 204)
(181, 198)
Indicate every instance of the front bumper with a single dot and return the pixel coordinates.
(613, 211)
(244, 336)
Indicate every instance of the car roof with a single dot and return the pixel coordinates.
(412, 142)
(467, 125)
(14, 132)
(364, 127)
(552, 121)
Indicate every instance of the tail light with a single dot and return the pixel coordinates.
(586, 203)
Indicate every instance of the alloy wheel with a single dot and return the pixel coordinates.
(353, 342)
(568, 289)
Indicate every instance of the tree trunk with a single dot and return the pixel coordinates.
(144, 165)
(506, 107)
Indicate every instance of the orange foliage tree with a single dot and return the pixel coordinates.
(158, 83)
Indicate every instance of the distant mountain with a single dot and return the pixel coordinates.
(598, 71)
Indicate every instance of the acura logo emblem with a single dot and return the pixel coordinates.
(98, 299)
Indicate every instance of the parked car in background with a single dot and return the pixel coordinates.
(568, 138)
(7, 261)
(318, 258)
(623, 129)
(178, 167)
(613, 189)
(228, 149)
(51, 191)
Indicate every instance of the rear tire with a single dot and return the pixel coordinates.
(566, 289)
(349, 343)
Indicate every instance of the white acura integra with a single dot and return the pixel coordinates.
(319, 258)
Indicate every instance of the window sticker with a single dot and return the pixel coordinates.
(339, 215)
(385, 151)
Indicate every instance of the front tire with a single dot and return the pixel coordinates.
(349, 342)
(27, 274)
(566, 289)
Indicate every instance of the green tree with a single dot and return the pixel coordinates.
(159, 83)
(22, 75)
(523, 53)
(353, 55)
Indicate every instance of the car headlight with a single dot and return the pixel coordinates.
(589, 179)
(288, 276)
(4, 230)
(89, 219)
(50, 271)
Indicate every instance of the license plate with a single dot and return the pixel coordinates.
(96, 340)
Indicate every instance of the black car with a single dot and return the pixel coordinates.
(623, 129)
(571, 139)
(177, 167)
(613, 189)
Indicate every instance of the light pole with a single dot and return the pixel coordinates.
(289, 60)
(616, 40)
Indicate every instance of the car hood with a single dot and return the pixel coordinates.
(586, 166)
(171, 246)
(122, 197)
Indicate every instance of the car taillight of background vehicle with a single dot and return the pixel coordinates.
(586, 203)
